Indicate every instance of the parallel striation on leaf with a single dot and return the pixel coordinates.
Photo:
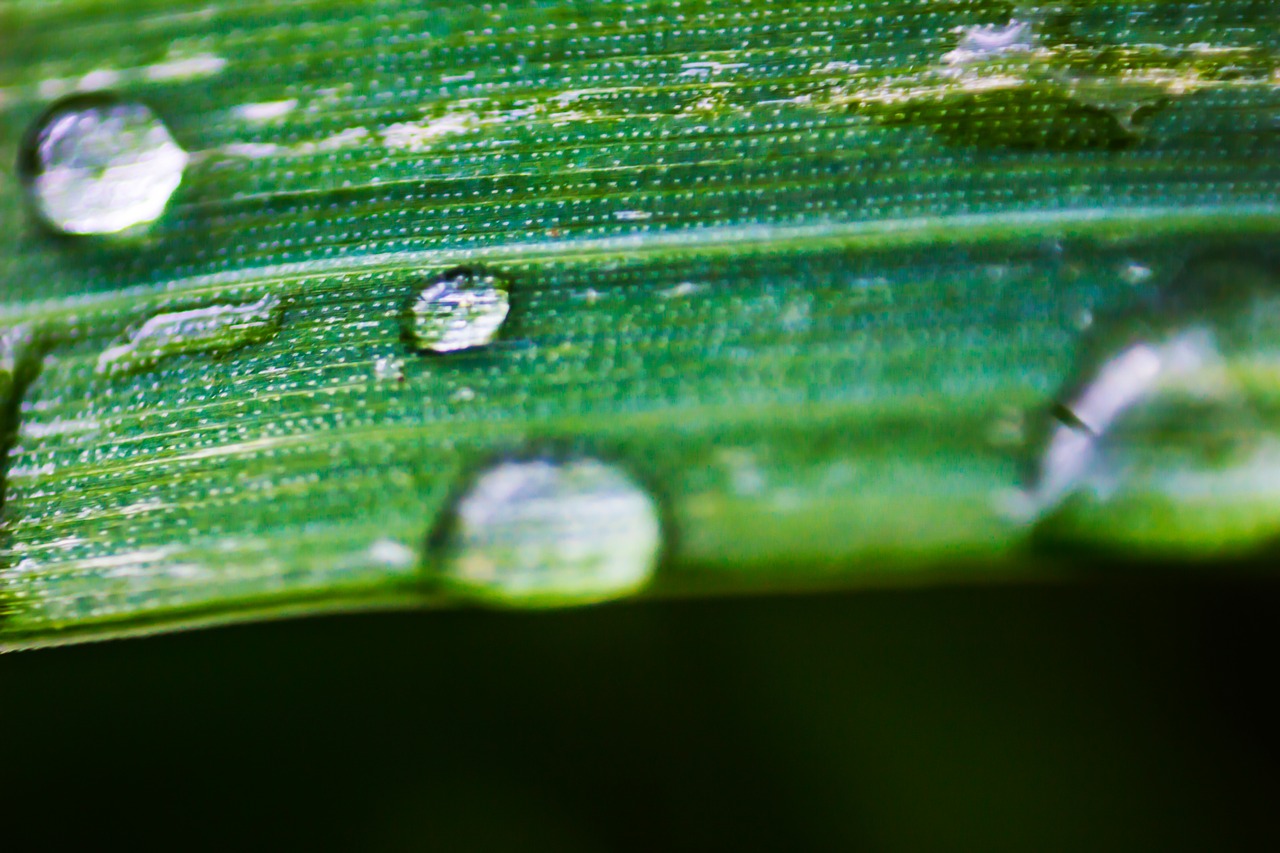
(813, 273)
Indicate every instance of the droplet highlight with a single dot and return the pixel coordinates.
(95, 165)
(461, 309)
(540, 533)
(215, 330)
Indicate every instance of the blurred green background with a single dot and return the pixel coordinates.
(1130, 714)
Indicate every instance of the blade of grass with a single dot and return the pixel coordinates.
(814, 275)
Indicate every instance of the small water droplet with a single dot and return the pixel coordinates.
(1135, 272)
(461, 309)
(95, 165)
(539, 533)
(990, 41)
(681, 290)
(388, 368)
(215, 330)
(392, 554)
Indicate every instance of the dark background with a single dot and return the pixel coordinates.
(1130, 715)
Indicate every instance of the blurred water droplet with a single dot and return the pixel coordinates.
(94, 165)
(392, 554)
(1132, 376)
(1135, 272)
(461, 309)
(388, 368)
(545, 534)
(215, 330)
(1167, 437)
(989, 41)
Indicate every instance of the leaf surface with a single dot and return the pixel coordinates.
(815, 276)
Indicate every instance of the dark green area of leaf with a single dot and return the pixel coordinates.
(1030, 119)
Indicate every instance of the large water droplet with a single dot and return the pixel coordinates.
(540, 533)
(462, 309)
(1132, 377)
(215, 330)
(1168, 439)
(94, 165)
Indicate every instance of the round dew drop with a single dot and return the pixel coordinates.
(95, 165)
(461, 309)
(541, 533)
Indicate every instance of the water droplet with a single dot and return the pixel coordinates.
(540, 533)
(392, 554)
(388, 368)
(1133, 376)
(1167, 439)
(681, 290)
(1135, 272)
(986, 42)
(215, 330)
(94, 165)
(462, 309)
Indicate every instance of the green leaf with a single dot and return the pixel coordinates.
(846, 294)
